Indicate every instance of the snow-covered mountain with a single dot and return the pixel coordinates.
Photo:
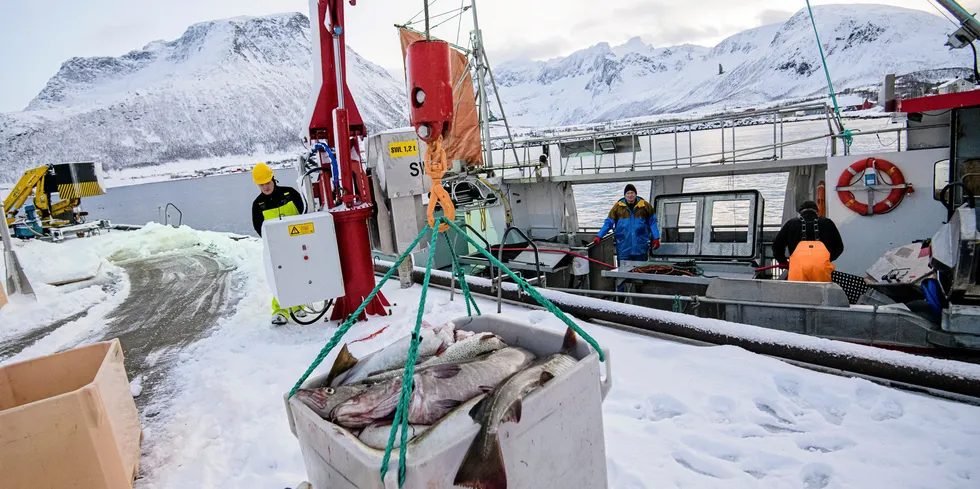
(227, 87)
(240, 86)
(769, 63)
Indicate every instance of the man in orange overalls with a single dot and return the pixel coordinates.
(813, 243)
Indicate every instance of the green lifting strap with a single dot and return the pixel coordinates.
(847, 135)
(531, 291)
(463, 285)
(401, 410)
(353, 317)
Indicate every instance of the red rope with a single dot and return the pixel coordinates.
(552, 250)
(370, 336)
(662, 270)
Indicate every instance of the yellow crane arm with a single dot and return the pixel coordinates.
(21, 191)
(59, 210)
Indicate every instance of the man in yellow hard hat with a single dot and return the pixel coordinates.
(274, 202)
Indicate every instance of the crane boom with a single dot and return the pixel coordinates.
(33, 178)
(970, 28)
(71, 181)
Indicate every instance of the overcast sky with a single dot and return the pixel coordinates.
(36, 37)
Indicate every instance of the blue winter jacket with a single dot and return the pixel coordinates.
(634, 228)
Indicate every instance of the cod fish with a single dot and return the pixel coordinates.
(348, 369)
(323, 400)
(483, 464)
(466, 349)
(376, 435)
(438, 389)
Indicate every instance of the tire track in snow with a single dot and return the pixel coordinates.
(17, 344)
(174, 300)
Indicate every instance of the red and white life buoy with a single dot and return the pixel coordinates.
(898, 184)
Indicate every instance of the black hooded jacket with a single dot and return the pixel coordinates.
(283, 201)
(802, 229)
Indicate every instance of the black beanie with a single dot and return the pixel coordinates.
(629, 186)
(807, 205)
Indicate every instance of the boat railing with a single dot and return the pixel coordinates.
(165, 215)
(477, 234)
(598, 149)
(768, 232)
(500, 258)
(726, 139)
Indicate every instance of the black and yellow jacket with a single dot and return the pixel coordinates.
(282, 202)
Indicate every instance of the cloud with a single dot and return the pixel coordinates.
(542, 49)
(664, 23)
(669, 34)
(774, 16)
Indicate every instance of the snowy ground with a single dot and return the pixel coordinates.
(179, 170)
(678, 415)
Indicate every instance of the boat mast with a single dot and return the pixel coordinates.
(481, 74)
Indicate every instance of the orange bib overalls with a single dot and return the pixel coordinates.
(810, 261)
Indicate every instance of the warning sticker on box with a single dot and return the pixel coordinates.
(398, 149)
(301, 229)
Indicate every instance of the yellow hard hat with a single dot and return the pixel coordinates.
(261, 174)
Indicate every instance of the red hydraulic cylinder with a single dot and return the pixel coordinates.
(430, 89)
(355, 251)
(335, 120)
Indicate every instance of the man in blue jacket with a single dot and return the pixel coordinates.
(635, 226)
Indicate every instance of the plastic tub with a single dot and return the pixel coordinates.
(559, 442)
(68, 420)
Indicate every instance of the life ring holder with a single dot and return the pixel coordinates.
(898, 186)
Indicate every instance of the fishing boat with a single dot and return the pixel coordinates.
(898, 209)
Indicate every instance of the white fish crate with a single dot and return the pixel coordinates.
(559, 442)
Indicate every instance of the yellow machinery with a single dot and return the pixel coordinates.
(71, 181)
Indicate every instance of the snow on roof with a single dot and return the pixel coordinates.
(395, 130)
(954, 81)
(849, 100)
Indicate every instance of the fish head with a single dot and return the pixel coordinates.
(491, 342)
(375, 402)
(324, 400)
(462, 334)
(446, 333)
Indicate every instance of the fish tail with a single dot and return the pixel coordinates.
(483, 469)
(569, 343)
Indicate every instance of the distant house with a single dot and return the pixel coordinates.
(955, 86)
(867, 104)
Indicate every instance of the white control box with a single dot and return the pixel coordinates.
(302, 260)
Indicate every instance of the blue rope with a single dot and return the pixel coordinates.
(846, 133)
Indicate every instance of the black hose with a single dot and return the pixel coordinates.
(316, 319)
(312, 171)
(976, 73)
(950, 205)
